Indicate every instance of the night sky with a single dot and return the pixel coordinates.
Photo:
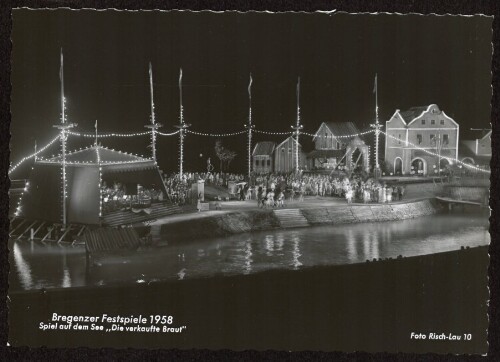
(419, 60)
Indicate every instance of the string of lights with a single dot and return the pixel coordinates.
(167, 134)
(450, 159)
(343, 136)
(33, 155)
(105, 135)
(271, 132)
(216, 134)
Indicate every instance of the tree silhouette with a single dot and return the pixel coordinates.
(224, 155)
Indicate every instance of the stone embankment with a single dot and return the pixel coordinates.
(259, 220)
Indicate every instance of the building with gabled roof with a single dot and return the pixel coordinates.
(476, 151)
(335, 143)
(262, 157)
(285, 154)
(420, 141)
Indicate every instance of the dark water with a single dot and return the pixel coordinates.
(35, 266)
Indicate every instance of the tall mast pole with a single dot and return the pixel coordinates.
(249, 127)
(153, 126)
(377, 126)
(63, 127)
(297, 128)
(63, 141)
(182, 127)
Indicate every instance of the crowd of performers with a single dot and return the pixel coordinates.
(273, 190)
(269, 190)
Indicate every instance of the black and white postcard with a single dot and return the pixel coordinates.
(250, 181)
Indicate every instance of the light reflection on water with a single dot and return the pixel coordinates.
(43, 266)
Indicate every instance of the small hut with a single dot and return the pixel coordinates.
(262, 157)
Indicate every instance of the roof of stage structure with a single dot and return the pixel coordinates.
(342, 129)
(98, 155)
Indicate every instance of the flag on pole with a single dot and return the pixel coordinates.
(180, 78)
(250, 86)
(375, 84)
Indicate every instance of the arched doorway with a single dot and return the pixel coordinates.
(418, 167)
(398, 166)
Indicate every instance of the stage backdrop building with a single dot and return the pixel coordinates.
(416, 131)
(337, 143)
(86, 171)
(285, 154)
(262, 157)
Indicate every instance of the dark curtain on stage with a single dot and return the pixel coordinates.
(43, 200)
(83, 195)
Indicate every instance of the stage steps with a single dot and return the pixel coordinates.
(123, 217)
(110, 239)
(291, 218)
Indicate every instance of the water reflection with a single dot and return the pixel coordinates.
(66, 280)
(248, 257)
(37, 266)
(296, 251)
(23, 268)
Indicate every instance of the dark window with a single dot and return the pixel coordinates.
(419, 139)
(256, 162)
(442, 122)
(432, 137)
(399, 139)
(269, 162)
(445, 139)
(433, 121)
(423, 121)
(338, 145)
